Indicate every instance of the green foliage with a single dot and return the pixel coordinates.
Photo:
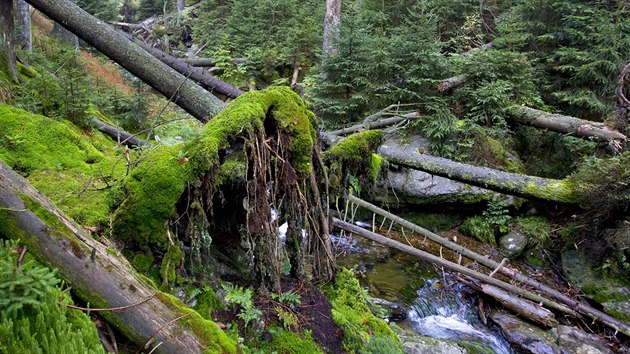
(148, 8)
(33, 313)
(171, 261)
(106, 10)
(272, 36)
(287, 298)
(352, 314)
(479, 228)
(498, 215)
(237, 295)
(536, 228)
(578, 45)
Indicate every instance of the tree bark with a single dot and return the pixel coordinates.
(522, 307)
(504, 182)
(207, 81)
(120, 136)
(24, 33)
(181, 5)
(7, 41)
(565, 124)
(64, 35)
(452, 83)
(191, 97)
(385, 122)
(96, 276)
(332, 22)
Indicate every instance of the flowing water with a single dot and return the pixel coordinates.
(420, 300)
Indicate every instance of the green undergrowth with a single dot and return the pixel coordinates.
(354, 158)
(362, 331)
(157, 183)
(33, 313)
(287, 342)
(72, 168)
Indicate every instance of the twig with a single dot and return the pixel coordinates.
(112, 309)
(159, 329)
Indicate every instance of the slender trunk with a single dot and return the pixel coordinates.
(7, 41)
(500, 181)
(24, 34)
(565, 124)
(181, 4)
(192, 98)
(64, 35)
(332, 22)
(120, 136)
(100, 278)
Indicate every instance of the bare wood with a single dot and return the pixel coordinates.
(491, 264)
(500, 181)
(376, 124)
(524, 308)
(565, 124)
(96, 276)
(183, 92)
(120, 136)
(454, 267)
(452, 82)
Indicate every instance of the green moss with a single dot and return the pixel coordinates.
(357, 146)
(142, 261)
(479, 228)
(536, 228)
(156, 185)
(213, 338)
(171, 261)
(352, 314)
(207, 303)
(62, 162)
(500, 156)
(561, 191)
(287, 342)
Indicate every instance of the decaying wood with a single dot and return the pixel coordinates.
(120, 136)
(181, 90)
(452, 83)
(565, 124)
(579, 307)
(496, 180)
(95, 275)
(207, 81)
(454, 267)
(376, 124)
(524, 308)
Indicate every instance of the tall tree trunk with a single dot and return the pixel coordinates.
(182, 91)
(181, 4)
(100, 278)
(332, 22)
(24, 33)
(7, 41)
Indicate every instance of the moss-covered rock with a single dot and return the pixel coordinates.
(351, 312)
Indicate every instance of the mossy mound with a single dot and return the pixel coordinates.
(158, 182)
(287, 342)
(354, 157)
(71, 168)
(351, 312)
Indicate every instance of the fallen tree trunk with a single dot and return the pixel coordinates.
(120, 136)
(452, 83)
(500, 181)
(201, 62)
(499, 268)
(454, 267)
(101, 279)
(565, 124)
(182, 91)
(207, 81)
(376, 124)
(524, 308)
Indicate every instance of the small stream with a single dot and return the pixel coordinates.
(421, 301)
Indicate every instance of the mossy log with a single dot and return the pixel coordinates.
(101, 278)
(565, 124)
(207, 81)
(175, 86)
(505, 182)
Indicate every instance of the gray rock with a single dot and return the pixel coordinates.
(427, 345)
(526, 337)
(573, 340)
(513, 244)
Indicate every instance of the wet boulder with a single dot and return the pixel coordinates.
(575, 340)
(526, 337)
(513, 244)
